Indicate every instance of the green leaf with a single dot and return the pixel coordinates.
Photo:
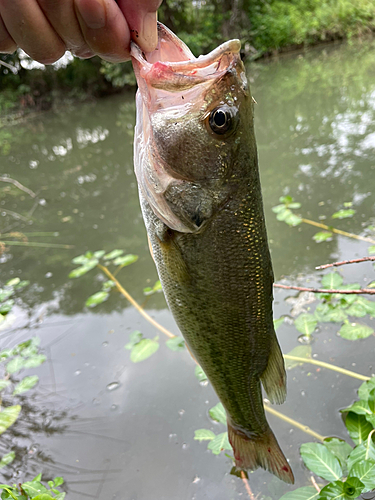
(339, 448)
(60, 496)
(371, 285)
(278, 322)
(333, 491)
(97, 298)
(107, 285)
(80, 271)
(5, 294)
(321, 461)
(327, 313)
(371, 250)
(4, 384)
(357, 310)
(292, 219)
(35, 361)
(305, 323)
(369, 305)
(22, 284)
(218, 413)
(80, 259)
(134, 338)
(301, 351)
(113, 255)
(199, 373)
(278, 208)
(355, 331)
(99, 254)
(332, 281)
(343, 214)
(43, 496)
(360, 407)
(204, 435)
(143, 350)
(176, 344)
(305, 493)
(353, 487)
(8, 416)
(286, 199)
(294, 205)
(365, 471)
(58, 481)
(126, 260)
(13, 282)
(26, 384)
(364, 451)
(358, 427)
(34, 488)
(7, 459)
(38, 477)
(365, 389)
(15, 365)
(219, 443)
(6, 306)
(284, 214)
(322, 236)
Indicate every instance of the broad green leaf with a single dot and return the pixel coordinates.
(4, 384)
(80, 271)
(143, 350)
(113, 255)
(322, 236)
(365, 389)
(339, 448)
(357, 310)
(6, 306)
(43, 496)
(371, 250)
(218, 413)
(365, 471)
(107, 285)
(60, 496)
(305, 323)
(287, 199)
(199, 373)
(7, 459)
(99, 254)
(51, 484)
(333, 491)
(283, 214)
(80, 259)
(34, 488)
(353, 487)
(294, 205)
(15, 365)
(38, 477)
(134, 338)
(355, 331)
(360, 407)
(13, 282)
(332, 281)
(321, 461)
(26, 384)
(292, 219)
(278, 208)
(327, 313)
(301, 351)
(369, 305)
(364, 451)
(343, 214)
(5, 294)
(8, 416)
(358, 427)
(22, 284)
(278, 322)
(305, 493)
(97, 298)
(176, 344)
(58, 481)
(35, 361)
(125, 260)
(204, 435)
(219, 443)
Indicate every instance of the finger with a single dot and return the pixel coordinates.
(104, 28)
(62, 16)
(7, 44)
(141, 16)
(31, 31)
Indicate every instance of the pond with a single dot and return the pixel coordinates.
(121, 430)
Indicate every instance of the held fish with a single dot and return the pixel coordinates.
(197, 171)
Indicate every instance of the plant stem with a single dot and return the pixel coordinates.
(302, 427)
(362, 291)
(35, 244)
(343, 262)
(247, 486)
(13, 181)
(315, 484)
(141, 311)
(327, 365)
(337, 231)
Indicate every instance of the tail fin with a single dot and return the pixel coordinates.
(274, 377)
(262, 451)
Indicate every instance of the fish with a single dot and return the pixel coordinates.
(196, 165)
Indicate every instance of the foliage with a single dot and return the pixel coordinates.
(34, 489)
(6, 296)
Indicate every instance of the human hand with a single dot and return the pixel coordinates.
(44, 29)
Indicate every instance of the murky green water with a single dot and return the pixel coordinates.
(117, 430)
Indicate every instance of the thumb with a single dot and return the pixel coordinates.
(141, 16)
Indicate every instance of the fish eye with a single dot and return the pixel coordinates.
(222, 120)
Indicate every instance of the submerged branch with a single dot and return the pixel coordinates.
(247, 486)
(337, 231)
(327, 365)
(18, 184)
(367, 291)
(344, 262)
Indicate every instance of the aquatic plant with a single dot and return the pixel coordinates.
(34, 490)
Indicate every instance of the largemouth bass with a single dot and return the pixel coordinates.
(197, 171)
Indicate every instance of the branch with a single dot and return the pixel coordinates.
(315, 484)
(367, 291)
(327, 365)
(343, 262)
(247, 486)
(19, 185)
(337, 231)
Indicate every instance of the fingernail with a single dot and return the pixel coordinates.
(92, 13)
(149, 36)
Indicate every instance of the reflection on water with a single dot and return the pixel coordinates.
(123, 430)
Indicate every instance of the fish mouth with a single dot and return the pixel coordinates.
(173, 68)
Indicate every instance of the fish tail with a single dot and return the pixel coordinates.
(259, 451)
(274, 377)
